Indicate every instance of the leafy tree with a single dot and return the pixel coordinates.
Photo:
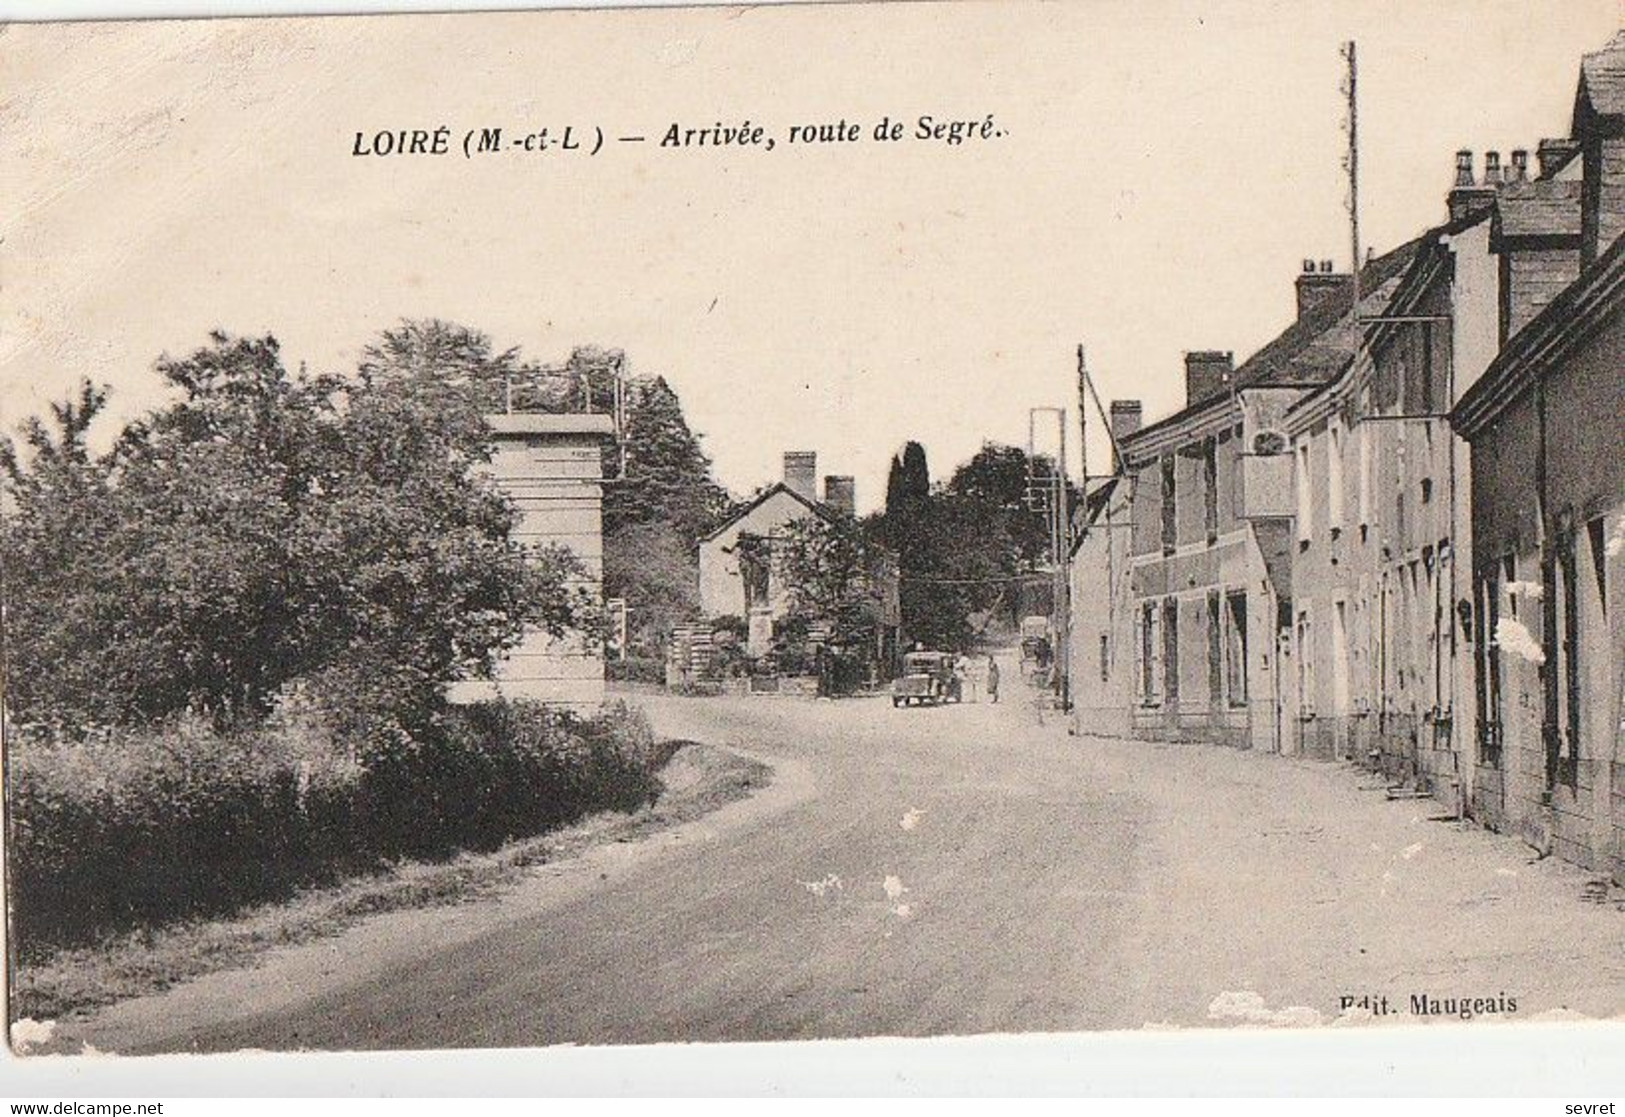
(270, 527)
(668, 475)
(828, 570)
(963, 544)
(653, 569)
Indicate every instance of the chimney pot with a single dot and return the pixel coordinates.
(1466, 197)
(1520, 166)
(1308, 267)
(1325, 267)
(1464, 167)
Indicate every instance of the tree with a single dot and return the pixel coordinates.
(668, 475)
(827, 569)
(270, 527)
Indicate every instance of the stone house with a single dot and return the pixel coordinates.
(738, 579)
(1206, 515)
(1382, 541)
(1548, 514)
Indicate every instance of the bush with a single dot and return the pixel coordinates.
(136, 828)
(637, 669)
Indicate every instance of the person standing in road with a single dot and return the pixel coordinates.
(992, 680)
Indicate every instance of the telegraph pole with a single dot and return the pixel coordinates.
(1351, 161)
(1051, 493)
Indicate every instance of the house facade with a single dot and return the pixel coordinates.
(1381, 532)
(1205, 524)
(1548, 517)
(1405, 546)
(738, 577)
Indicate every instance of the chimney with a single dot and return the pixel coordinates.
(1492, 169)
(1554, 155)
(1519, 171)
(1317, 285)
(1465, 198)
(1208, 373)
(1126, 417)
(1536, 232)
(841, 494)
(801, 472)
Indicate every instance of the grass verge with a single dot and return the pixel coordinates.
(74, 982)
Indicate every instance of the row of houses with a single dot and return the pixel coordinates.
(1391, 534)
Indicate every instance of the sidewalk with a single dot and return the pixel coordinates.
(1278, 887)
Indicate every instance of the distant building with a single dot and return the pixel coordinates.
(739, 580)
(551, 466)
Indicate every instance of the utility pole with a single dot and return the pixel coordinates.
(1049, 493)
(1351, 161)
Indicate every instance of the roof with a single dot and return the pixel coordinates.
(1602, 83)
(1543, 208)
(1094, 504)
(761, 498)
(1317, 345)
(1566, 322)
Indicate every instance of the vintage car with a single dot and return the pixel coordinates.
(927, 678)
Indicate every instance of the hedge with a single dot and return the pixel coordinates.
(131, 829)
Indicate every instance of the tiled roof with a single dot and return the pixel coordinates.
(1538, 209)
(1602, 81)
(823, 510)
(1320, 343)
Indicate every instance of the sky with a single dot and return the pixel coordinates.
(1163, 170)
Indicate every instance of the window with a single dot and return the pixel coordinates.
(1235, 648)
(1170, 506)
(1210, 489)
(1150, 654)
(1305, 496)
(1170, 648)
(1105, 658)
(1334, 480)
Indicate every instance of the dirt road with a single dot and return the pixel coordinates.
(962, 869)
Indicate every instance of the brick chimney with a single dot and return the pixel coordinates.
(1318, 285)
(1126, 418)
(1536, 232)
(1554, 155)
(801, 472)
(1467, 198)
(841, 494)
(1207, 375)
